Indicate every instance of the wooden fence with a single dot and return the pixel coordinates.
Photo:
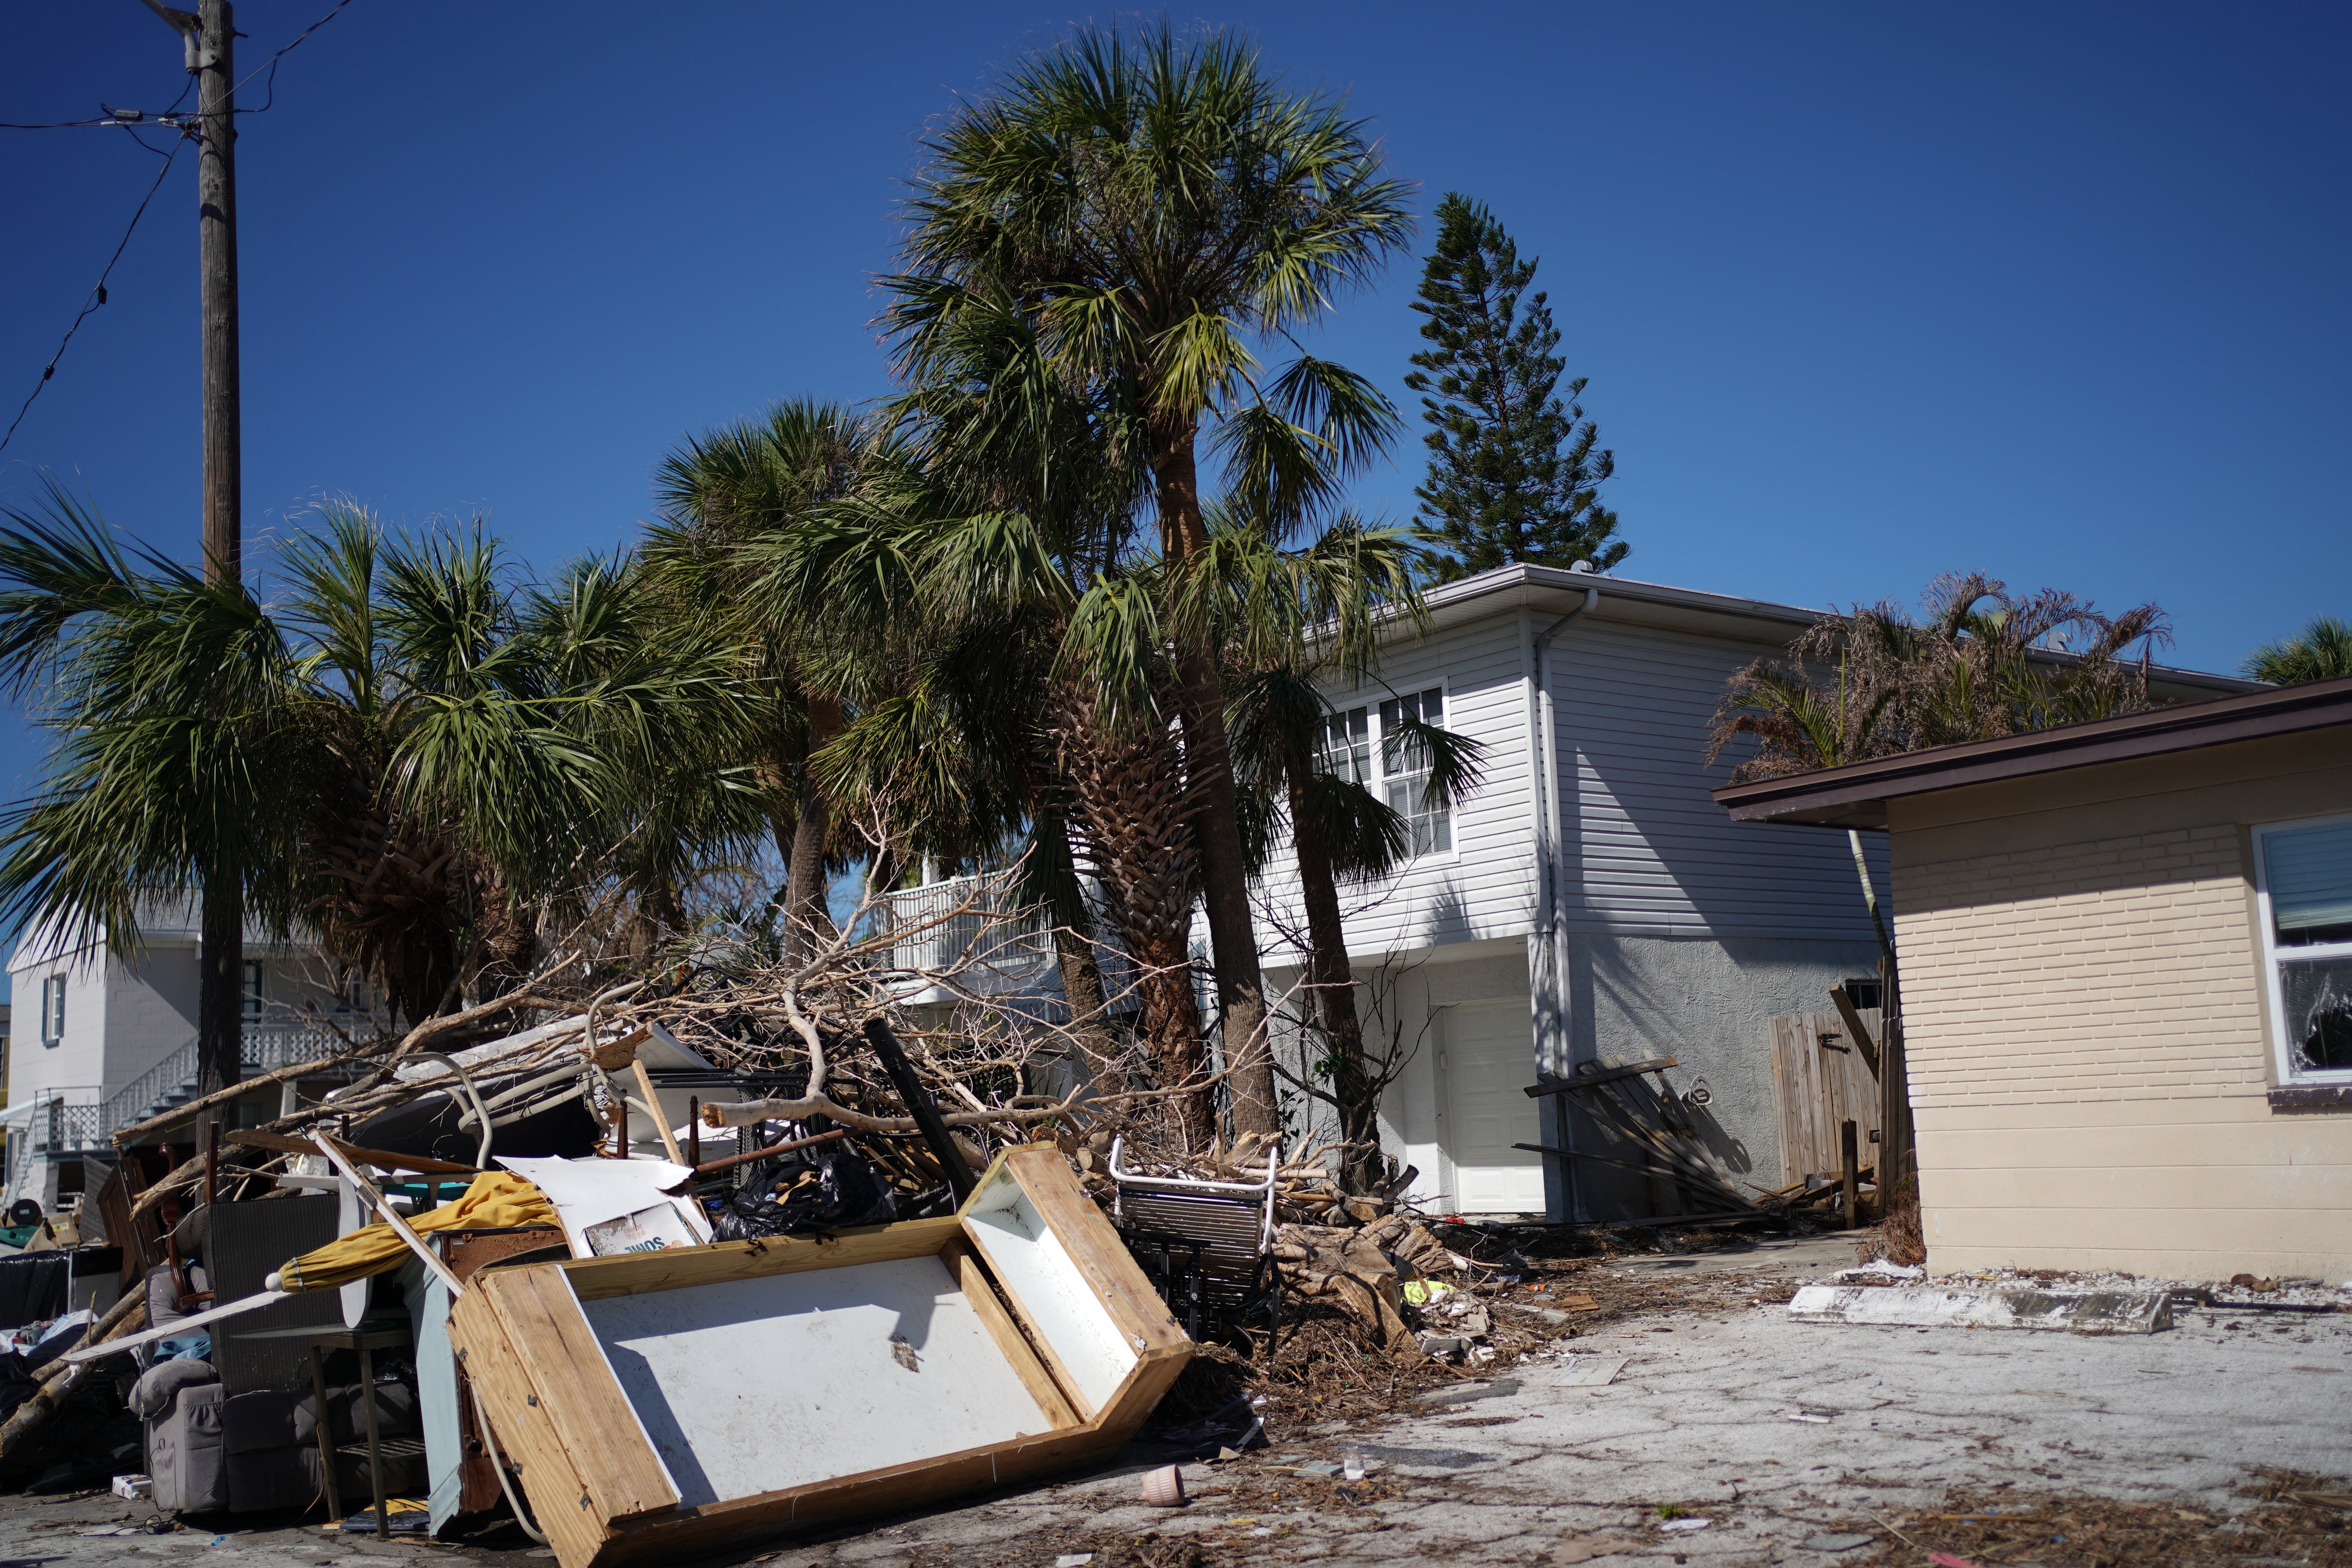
(1820, 1079)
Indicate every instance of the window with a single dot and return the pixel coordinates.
(53, 1009)
(1404, 770)
(253, 988)
(1348, 746)
(2303, 871)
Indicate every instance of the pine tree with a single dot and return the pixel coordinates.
(1514, 474)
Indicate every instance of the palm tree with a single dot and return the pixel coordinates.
(1145, 209)
(1296, 620)
(2321, 651)
(168, 697)
(1982, 664)
(382, 758)
(727, 496)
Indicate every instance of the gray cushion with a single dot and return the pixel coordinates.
(160, 1384)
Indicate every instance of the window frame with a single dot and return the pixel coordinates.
(249, 992)
(2274, 989)
(1335, 714)
(53, 1010)
(1381, 775)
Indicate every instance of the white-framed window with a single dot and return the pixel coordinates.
(1404, 770)
(1347, 744)
(253, 988)
(2303, 872)
(53, 1009)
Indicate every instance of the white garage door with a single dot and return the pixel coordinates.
(1490, 1060)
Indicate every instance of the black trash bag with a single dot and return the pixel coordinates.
(828, 1188)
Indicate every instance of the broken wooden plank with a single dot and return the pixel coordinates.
(1854, 1027)
(1594, 1079)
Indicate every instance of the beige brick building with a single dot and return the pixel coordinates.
(2126, 960)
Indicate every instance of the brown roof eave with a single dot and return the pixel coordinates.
(1856, 797)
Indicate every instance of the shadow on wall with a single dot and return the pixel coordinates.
(1637, 818)
(1446, 916)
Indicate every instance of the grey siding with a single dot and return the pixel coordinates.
(1647, 852)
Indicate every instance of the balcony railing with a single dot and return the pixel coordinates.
(940, 934)
(173, 1079)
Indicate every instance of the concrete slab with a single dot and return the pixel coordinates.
(1979, 1307)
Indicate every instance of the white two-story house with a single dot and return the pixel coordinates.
(1588, 903)
(104, 1037)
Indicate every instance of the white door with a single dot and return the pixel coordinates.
(1490, 1061)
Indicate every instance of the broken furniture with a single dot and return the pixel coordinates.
(1206, 1244)
(686, 1400)
(366, 1339)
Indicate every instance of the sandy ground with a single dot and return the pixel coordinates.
(1795, 1442)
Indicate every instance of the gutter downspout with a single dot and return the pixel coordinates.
(1543, 767)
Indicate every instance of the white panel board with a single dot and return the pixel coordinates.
(1489, 1062)
(1062, 1308)
(753, 1385)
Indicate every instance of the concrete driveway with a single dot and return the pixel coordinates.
(1776, 1434)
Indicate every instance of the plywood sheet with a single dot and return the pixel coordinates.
(1073, 1324)
(755, 1385)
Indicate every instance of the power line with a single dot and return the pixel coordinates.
(270, 65)
(97, 294)
(135, 118)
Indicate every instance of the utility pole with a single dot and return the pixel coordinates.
(209, 37)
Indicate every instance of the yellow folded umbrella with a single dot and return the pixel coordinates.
(496, 1199)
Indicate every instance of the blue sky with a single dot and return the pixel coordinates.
(1866, 292)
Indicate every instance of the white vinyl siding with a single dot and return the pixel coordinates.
(1645, 851)
(1483, 888)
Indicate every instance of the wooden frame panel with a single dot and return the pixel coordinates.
(620, 1474)
(525, 1433)
(1137, 1312)
(599, 1488)
(979, 1289)
(678, 1268)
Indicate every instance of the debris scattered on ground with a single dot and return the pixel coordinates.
(2008, 1525)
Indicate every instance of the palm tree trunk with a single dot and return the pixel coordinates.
(805, 880)
(1129, 811)
(220, 984)
(1082, 989)
(1333, 981)
(1893, 1071)
(1208, 766)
